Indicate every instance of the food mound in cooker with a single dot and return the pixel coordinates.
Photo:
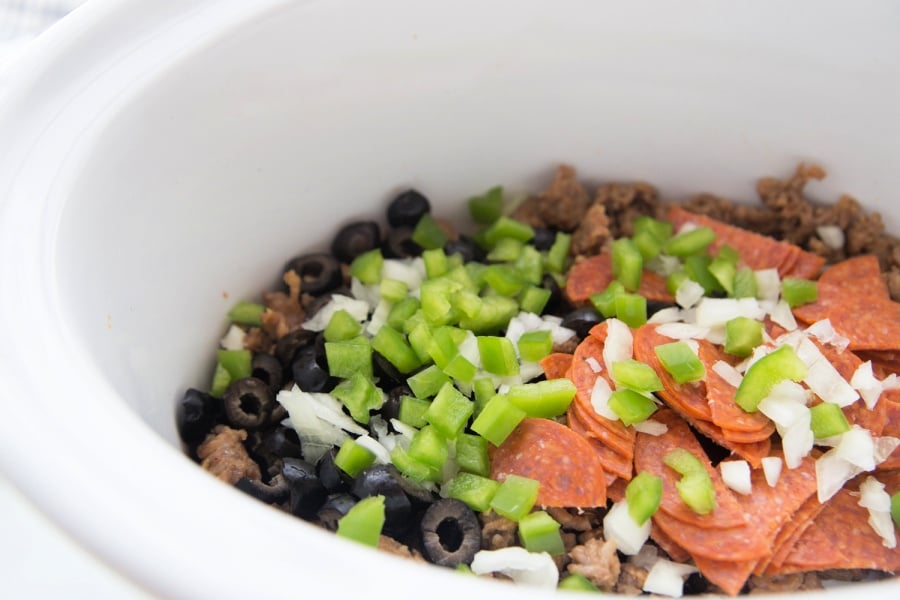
(609, 392)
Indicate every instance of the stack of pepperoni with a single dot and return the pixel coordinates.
(775, 529)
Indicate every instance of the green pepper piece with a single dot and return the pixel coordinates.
(627, 264)
(605, 301)
(472, 454)
(557, 255)
(484, 391)
(427, 382)
(476, 491)
(349, 357)
(449, 411)
(505, 227)
(401, 312)
(695, 488)
(797, 291)
(498, 355)
(539, 532)
(635, 375)
(496, 311)
(353, 459)
(660, 230)
(534, 299)
(238, 363)
(643, 494)
(498, 419)
(360, 396)
(392, 345)
(697, 268)
(460, 369)
(428, 233)
(412, 467)
(341, 327)
(505, 250)
(246, 313)
(630, 406)
(363, 522)
(488, 207)
(535, 345)
(680, 362)
(547, 399)
(435, 262)
(690, 242)
(367, 266)
(724, 272)
(742, 335)
(435, 295)
(745, 283)
(826, 420)
(647, 244)
(220, 381)
(515, 497)
(765, 374)
(429, 447)
(412, 411)
(504, 280)
(631, 309)
(895, 508)
(393, 290)
(530, 265)
(674, 281)
(576, 582)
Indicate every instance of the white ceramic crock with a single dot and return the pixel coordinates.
(161, 159)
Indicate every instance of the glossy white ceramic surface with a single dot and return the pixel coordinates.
(162, 159)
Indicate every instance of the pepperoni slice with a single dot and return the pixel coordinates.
(788, 535)
(556, 364)
(613, 461)
(753, 452)
(565, 464)
(675, 552)
(593, 275)
(757, 251)
(858, 275)
(648, 456)
(723, 409)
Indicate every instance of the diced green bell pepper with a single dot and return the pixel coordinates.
(765, 374)
(630, 406)
(549, 398)
(680, 362)
(643, 493)
(353, 459)
(246, 313)
(797, 291)
(827, 420)
(515, 497)
(363, 522)
(627, 263)
(498, 419)
(488, 207)
(690, 242)
(428, 233)
(742, 335)
(367, 266)
(539, 532)
(476, 491)
(360, 396)
(472, 454)
(635, 375)
(498, 355)
(449, 411)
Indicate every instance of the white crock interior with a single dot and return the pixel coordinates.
(166, 160)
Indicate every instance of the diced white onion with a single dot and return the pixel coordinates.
(560, 334)
(715, 312)
(865, 382)
(797, 442)
(530, 568)
(671, 314)
(468, 349)
(600, 394)
(594, 364)
(233, 339)
(832, 472)
(822, 378)
(619, 343)
(873, 497)
(785, 404)
(667, 578)
(404, 431)
(370, 294)
(857, 447)
(884, 447)
(771, 466)
(358, 309)
(682, 331)
(731, 375)
(783, 316)
(831, 235)
(768, 284)
(316, 434)
(689, 293)
(825, 333)
(530, 370)
(379, 317)
(736, 475)
(409, 271)
(651, 427)
(622, 529)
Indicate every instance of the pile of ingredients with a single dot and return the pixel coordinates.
(617, 394)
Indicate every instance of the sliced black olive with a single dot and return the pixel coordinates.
(331, 476)
(654, 306)
(287, 345)
(384, 480)
(335, 507)
(695, 584)
(355, 239)
(407, 208)
(581, 320)
(282, 442)
(248, 402)
(451, 534)
(399, 244)
(391, 407)
(319, 273)
(309, 373)
(386, 372)
(307, 492)
(543, 238)
(557, 304)
(274, 492)
(267, 368)
(466, 247)
(195, 415)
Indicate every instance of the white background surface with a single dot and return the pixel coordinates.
(37, 560)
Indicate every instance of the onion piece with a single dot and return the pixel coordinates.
(667, 578)
(825, 333)
(651, 427)
(518, 564)
(317, 435)
(382, 453)
(233, 339)
(822, 377)
(409, 271)
(768, 284)
(594, 364)
(783, 316)
(771, 466)
(682, 331)
(731, 375)
(619, 343)
(600, 394)
(715, 312)
(358, 309)
(671, 314)
(857, 447)
(831, 235)
(689, 293)
(873, 497)
(736, 475)
(623, 530)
